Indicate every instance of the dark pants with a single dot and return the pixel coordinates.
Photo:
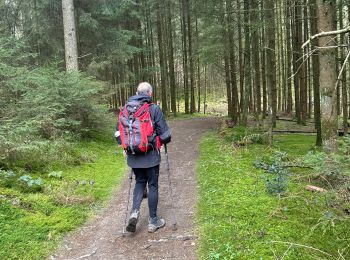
(144, 176)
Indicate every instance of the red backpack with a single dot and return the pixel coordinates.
(136, 129)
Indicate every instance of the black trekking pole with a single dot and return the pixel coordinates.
(127, 205)
(174, 227)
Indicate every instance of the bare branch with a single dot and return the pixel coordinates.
(307, 55)
(323, 34)
(300, 245)
(332, 47)
(342, 68)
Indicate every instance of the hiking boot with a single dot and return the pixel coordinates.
(134, 216)
(155, 223)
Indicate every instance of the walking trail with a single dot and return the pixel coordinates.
(101, 238)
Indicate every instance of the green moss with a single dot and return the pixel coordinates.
(33, 224)
(296, 144)
(239, 220)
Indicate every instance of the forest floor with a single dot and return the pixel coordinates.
(246, 211)
(101, 238)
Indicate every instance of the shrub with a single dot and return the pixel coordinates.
(242, 136)
(56, 175)
(42, 110)
(276, 176)
(7, 178)
(334, 167)
(29, 184)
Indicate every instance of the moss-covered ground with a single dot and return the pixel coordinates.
(238, 219)
(33, 223)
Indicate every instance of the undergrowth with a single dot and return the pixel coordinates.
(239, 219)
(38, 208)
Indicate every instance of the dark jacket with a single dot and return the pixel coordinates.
(152, 157)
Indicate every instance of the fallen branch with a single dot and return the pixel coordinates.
(297, 166)
(88, 255)
(315, 188)
(300, 245)
(323, 34)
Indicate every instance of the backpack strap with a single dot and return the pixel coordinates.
(156, 138)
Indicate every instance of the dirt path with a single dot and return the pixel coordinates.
(102, 237)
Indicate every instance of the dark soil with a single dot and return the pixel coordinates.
(102, 237)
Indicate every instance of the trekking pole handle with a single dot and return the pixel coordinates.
(165, 148)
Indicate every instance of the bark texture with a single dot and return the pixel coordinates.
(70, 38)
(328, 77)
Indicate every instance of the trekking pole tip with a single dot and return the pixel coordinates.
(174, 227)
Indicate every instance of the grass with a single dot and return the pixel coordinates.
(32, 224)
(238, 219)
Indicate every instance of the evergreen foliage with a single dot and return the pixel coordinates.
(42, 108)
(276, 176)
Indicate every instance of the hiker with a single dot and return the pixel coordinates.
(143, 159)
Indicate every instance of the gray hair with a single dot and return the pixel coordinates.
(144, 88)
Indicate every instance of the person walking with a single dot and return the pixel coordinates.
(141, 130)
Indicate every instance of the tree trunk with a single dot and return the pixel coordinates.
(289, 58)
(296, 58)
(171, 61)
(343, 81)
(325, 11)
(303, 72)
(185, 58)
(241, 58)
(190, 54)
(70, 38)
(198, 70)
(316, 75)
(205, 91)
(162, 60)
(263, 60)
(256, 51)
(233, 78)
(247, 72)
(271, 59)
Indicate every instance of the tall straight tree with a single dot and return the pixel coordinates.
(162, 56)
(263, 60)
(191, 57)
(233, 78)
(171, 60)
(256, 51)
(297, 60)
(198, 69)
(287, 12)
(328, 77)
(303, 72)
(226, 55)
(185, 54)
(343, 80)
(316, 75)
(247, 52)
(271, 60)
(240, 58)
(70, 38)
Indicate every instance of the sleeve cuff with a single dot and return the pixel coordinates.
(165, 136)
